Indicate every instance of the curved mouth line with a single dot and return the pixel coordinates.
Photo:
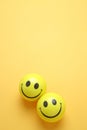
(28, 96)
(54, 115)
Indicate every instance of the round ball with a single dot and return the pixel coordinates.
(32, 86)
(51, 107)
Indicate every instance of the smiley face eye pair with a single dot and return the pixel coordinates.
(28, 83)
(50, 106)
(45, 103)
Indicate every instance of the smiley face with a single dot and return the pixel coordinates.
(32, 86)
(51, 107)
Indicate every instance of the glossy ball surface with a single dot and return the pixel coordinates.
(51, 107)
(32, 86)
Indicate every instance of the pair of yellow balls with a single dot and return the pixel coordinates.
(50, 106)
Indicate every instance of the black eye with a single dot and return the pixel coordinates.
(28, 83)
(45, 103)
(54, 102)
(36, 86)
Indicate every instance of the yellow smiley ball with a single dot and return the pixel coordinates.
(51, 107)
(32, 86)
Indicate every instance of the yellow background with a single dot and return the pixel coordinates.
(48, 37)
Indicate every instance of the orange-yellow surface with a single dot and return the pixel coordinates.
(48, 37)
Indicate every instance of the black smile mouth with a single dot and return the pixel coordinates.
(54, 115)
(28, 96)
